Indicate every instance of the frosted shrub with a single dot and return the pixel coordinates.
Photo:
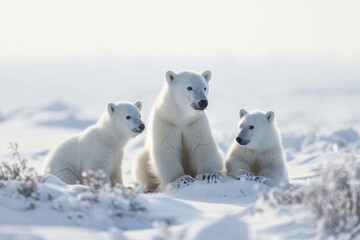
(121, 203)
(94, 179)
(123, 200)
(333, 197)
(26, 179)
(98, 204)
(165, 232)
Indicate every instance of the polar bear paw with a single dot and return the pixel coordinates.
(211, 177)
(246, 176)
(264, 180)
(259, 179)
(181, 182)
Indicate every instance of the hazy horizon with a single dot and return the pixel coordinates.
(87, 53)
(84, 30)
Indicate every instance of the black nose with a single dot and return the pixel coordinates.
(203, 103)
(141, 127)
(239, 139)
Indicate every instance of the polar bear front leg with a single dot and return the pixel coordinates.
(167, 161)
(237, 168)
(205, 159)
(238, 162)
(116, 172)
(273, 166)
(166, 152)
(271, 176)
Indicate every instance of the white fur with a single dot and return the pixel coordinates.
(179, 140)
(263, 155)
(100, 146)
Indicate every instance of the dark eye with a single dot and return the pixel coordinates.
(204, 88)
(128, 117)
(140, 116)
(189, 88)
(251, 127)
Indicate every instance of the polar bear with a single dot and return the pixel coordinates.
(179, 144)
(100, 146)
(258, 148)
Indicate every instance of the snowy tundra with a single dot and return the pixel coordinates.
(180, 145)
(100, 146)
(311, 103)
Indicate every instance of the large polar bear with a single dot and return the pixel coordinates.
(180, 145)
(258, 148)
(100, 146)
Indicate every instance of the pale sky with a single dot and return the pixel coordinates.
(66, 30)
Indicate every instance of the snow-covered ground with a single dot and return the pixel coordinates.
(317, 106)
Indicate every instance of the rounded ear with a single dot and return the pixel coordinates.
(242, 112)
(111, 108)
(207, 75)
(170, 76)
(270, 116)
(138, 104)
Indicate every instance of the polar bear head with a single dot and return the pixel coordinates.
(126, 117)
(189, 89)
(257, 130)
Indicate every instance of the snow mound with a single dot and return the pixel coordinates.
(307, 148)
(56, 106)
(343, 137)
(205, 229)
(70, 121)
(332, 198)
(57, 114)
(161, 205)
(230, 191)
(18, 232)
(76, 205)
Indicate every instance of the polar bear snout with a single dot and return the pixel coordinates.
(242, 141)
(139, 129)
(203, 104)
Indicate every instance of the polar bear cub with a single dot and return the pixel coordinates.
(100, 146)
(258, 148)
(179, 144)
